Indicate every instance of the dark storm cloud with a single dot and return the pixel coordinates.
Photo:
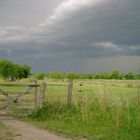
(111, 21)
(78, 30)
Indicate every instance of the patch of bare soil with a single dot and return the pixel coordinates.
(26, 131)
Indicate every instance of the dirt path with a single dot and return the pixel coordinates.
(25, 131)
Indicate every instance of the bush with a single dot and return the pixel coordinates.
(40, 76)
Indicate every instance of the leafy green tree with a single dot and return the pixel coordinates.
(115, 75)
(129, 75)
(11, 71)
(16, 71)
(24, 71)
(7, 70)
(40, 76)
(55, 75)
(88, 76)
(71, 76)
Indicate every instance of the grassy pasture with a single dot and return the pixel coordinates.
(101, 110)
(127, 90)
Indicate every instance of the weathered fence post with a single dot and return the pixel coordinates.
(69, 96)
(138, 94)
(42, 93)
(104, 96)
(35, 94)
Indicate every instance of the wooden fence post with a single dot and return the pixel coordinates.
(42, 94)
(69, 95)
(104, 96)
(35, 94)
(138, 94)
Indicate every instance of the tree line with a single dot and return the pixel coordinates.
(71, 76)
(11, 71)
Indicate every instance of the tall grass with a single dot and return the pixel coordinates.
(95, 119)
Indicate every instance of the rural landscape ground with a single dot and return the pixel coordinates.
(13, 129)
(100, 110)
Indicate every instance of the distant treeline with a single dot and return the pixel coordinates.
(112, 75)
(12, 71)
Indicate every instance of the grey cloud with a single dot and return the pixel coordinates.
(78, 30)
(76, 24)
(110, 21)
(25, 12)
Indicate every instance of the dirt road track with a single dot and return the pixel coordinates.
(26, 131)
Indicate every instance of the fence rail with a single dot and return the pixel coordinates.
(20, 85)
(16, 96)
(37, 90)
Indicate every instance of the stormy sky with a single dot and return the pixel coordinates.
(86, 36)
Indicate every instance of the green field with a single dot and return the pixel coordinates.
(101, 110)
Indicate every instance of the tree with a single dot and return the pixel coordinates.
(129, 75)
(7, 71)
(55, 75)
(71, 76)
(16, 72)
(115, 75)
(40, 76)
(11, 71)
(24, 71)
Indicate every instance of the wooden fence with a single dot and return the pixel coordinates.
(68, 92)
(9, 97)
(37, 91)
